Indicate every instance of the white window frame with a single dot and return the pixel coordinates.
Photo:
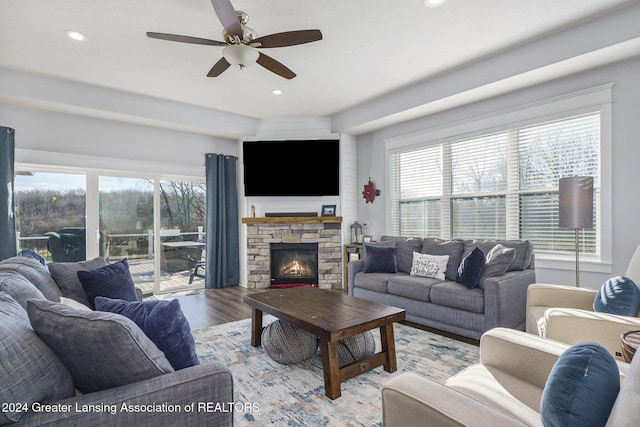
(593, 99)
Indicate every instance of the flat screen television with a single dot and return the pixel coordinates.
(292, 168)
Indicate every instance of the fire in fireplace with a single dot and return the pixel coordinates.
(294, 263)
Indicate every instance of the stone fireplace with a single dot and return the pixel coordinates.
(323, 233)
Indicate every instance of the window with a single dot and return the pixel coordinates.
(501, 185)
(418, 194)
(50, 211)
(546, 153)
(478, 187)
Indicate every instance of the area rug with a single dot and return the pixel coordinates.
(268, 393)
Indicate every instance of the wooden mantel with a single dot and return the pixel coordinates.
(293, 220)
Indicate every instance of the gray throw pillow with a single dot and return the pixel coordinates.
(66, 276)
(484, 245)
(523, 255)
(454, 248)
(100, 350)
(404, 255)
(29, 371)
(499, 259)
(19, 288)
(35, 273)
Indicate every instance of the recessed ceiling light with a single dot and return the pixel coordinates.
(276, 92)
(434, 3)
(74, 35)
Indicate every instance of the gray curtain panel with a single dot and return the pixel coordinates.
(7, 206)
(223, 247)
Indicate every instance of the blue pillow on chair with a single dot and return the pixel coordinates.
(581, 389)
(618, 295)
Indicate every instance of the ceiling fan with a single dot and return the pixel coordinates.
(241, 42)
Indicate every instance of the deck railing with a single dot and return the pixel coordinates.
(114, 246)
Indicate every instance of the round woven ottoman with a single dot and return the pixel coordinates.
(288, 344)
(356, 348)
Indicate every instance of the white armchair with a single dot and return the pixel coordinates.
(503, 389)
(565, 314)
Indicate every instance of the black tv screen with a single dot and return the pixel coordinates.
(292, 168)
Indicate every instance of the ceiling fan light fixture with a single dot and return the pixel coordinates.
(240, 55)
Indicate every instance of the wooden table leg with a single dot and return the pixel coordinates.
(331, 368)
(256, 327)
(388, 347)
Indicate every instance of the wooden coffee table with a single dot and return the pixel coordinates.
(332, 316)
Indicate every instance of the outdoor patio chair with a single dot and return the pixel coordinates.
(198, 271)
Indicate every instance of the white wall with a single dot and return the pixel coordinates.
(305, 128)
(625, 150)
(302, 128)
(44, 137)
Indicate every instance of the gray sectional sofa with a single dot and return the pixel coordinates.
(38, 388)
(498, 299)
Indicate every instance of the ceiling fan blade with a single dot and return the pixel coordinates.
(227, 16)
(185, 39)
(219, 68)
(275, 67)
(289, 38)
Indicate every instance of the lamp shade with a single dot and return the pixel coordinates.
(576, 202)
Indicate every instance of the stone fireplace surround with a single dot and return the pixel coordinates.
(326, 231)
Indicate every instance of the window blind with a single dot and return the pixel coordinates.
(479, 165)
(502, 185)
(417, 191)
(546, 153)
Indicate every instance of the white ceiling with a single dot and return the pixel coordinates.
(370, 47)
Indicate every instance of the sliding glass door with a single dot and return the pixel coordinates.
(132, 209)
(182, 218)
(126, 226)
(70, 217)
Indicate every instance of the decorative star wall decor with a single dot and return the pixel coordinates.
(370, 192)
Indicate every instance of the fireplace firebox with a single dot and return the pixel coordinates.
(294, 263)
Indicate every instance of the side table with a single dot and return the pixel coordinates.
(351, 251)
(630, 342)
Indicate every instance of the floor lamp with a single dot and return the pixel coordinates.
(576, 208)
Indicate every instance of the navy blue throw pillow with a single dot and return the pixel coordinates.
(582, 387)
(618, 295)
(380, 259)
(163, 322)
(111, 281)
(471, 268)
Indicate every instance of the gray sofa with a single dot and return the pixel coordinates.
(499, 299)
(36, 388)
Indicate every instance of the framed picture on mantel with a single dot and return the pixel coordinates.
(328, 210)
